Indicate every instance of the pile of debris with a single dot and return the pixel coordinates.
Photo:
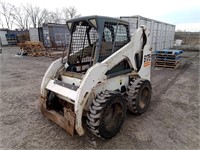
(54, 52)
(32, 49)
(37, 49)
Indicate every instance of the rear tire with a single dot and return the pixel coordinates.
(106, 114)
(138, 96)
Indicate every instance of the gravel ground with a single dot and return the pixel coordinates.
(171, 122)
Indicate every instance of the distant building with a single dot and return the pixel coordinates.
(11, 37)
(178, 42)
(55, 35)
(161, 33)
(3, 40)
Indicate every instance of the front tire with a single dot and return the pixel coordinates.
(138, 96)
(106, 114)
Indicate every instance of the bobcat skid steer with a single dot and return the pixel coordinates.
(104, 73)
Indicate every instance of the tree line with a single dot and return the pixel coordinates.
(28, 15)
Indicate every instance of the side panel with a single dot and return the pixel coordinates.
(3, 39)
(56, 35)
(145, 71)
(133, 23)
(60, 35)
(110, 84)
(162, 34)
(46, 35)
(34, 36)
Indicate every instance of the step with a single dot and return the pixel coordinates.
(63, 89)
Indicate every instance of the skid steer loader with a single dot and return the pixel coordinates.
(104, 72)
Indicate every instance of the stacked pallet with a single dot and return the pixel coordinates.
(167, 58)
(32, 48)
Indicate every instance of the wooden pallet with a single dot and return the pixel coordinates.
(167, 64)
(37, 54)
(167, 58)
(167, 61)
(169, 52)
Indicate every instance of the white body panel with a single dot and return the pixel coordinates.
(71, 80)
(95, 79)
(65, 92)
(50, 74)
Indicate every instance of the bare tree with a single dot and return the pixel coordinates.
(58, 16)
(1, 21)
(6, 11)
(21, 17)
(70, 12)
(36, 14)
(42, 17)
(55, 16)
(30, 15)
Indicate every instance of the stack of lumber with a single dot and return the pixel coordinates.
(167, 58)
(53, 54)
(32, 48)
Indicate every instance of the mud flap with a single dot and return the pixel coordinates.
(67, 122)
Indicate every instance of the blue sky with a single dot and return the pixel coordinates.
(185, 14)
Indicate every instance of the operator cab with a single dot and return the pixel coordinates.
(93, 39)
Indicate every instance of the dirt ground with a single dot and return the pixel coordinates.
(171, 122)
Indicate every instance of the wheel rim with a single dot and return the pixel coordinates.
(112, 115)
(144, 98)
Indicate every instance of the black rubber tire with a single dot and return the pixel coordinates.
(138, 96)
(106, 114)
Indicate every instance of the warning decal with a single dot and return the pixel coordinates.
(147, 60)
